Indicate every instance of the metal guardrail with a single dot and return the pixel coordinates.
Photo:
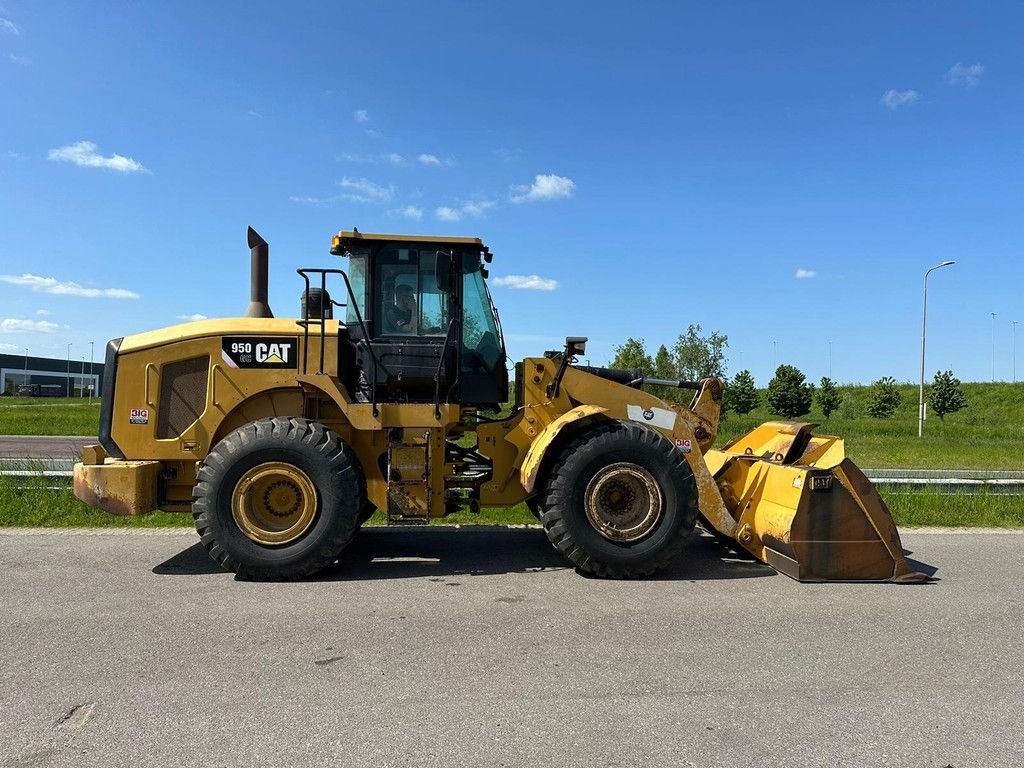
(881, 475)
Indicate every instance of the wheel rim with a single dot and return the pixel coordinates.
(274, 503)
(623, 502)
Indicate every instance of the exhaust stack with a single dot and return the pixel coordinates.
(258, 306)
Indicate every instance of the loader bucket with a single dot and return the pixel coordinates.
(805, 509)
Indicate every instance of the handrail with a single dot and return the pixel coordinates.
(440, 365)
(305, 322)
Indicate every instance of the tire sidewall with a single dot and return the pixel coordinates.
(674, 479)
(335, 509)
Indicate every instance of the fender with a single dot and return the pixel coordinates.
(538, 448)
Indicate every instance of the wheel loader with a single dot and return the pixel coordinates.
(282, 436)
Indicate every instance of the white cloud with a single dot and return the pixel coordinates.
(427, 159)
(365, 191)
(475, 208)
(965, 74)
(11, 325)
(409, 211)
(253, 113)
(805, 274)
(895, 99)
(84, 153)
(353, 158)
(392, 158)
(5, 347)
(361, 116)
(192, 318)
(526, 282)
(546, 186)
(311, 200)
(43, 312)
(9, 26)
(14, 58)
(67, 288)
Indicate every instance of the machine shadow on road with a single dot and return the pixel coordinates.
(398, 553)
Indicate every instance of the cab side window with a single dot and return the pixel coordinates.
(410, 301)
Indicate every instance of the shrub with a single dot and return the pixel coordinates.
(885, 398)
(946, 394)
(741, 396)
(789, 395)
(828, 396)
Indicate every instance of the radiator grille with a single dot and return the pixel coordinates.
(182, 396)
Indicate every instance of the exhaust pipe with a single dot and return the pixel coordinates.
(260, 254)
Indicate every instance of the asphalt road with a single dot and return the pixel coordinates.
(462, 647)
(42, 446)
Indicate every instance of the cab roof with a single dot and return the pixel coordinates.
(343, 240)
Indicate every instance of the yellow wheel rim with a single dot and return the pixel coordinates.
(274, 503)
(623, 502)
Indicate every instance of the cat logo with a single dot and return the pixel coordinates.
(272, 353)
(257, 352)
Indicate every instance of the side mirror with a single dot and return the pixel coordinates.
(575, 346)
(443, 270)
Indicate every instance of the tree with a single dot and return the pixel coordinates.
(828, 396)
(633, 354)
(699, 357)
(946, 394)
(665, 368)
(741, 395)
(885, 398)
(789, 395)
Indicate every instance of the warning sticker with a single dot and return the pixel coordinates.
(684, 445)
(139, 416)
(260, 352)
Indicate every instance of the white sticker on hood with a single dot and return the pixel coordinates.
(656, 417)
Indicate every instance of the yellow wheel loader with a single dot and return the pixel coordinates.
(282, 436)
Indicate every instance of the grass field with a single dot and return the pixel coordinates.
(988, 434)
(49, 416)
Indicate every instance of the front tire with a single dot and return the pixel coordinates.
(619, 501)
(278, 499)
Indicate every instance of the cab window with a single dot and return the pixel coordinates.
(481, 341)
(409, 299)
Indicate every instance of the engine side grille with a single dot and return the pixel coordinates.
(182, 396)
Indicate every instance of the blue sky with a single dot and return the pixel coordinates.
(655, 164)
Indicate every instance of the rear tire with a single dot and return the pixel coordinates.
(619, 501)
(278, 499)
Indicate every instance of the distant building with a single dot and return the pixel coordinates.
(50, 374)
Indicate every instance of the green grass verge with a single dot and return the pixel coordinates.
(49, 416)
(988, 434)
(36, 504)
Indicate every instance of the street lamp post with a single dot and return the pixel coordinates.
(25, 375)
(924, 326)
(993, 347)
(1013, 347)
(69, 369)
(91, 387)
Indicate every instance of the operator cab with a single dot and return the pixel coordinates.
(431, 331)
